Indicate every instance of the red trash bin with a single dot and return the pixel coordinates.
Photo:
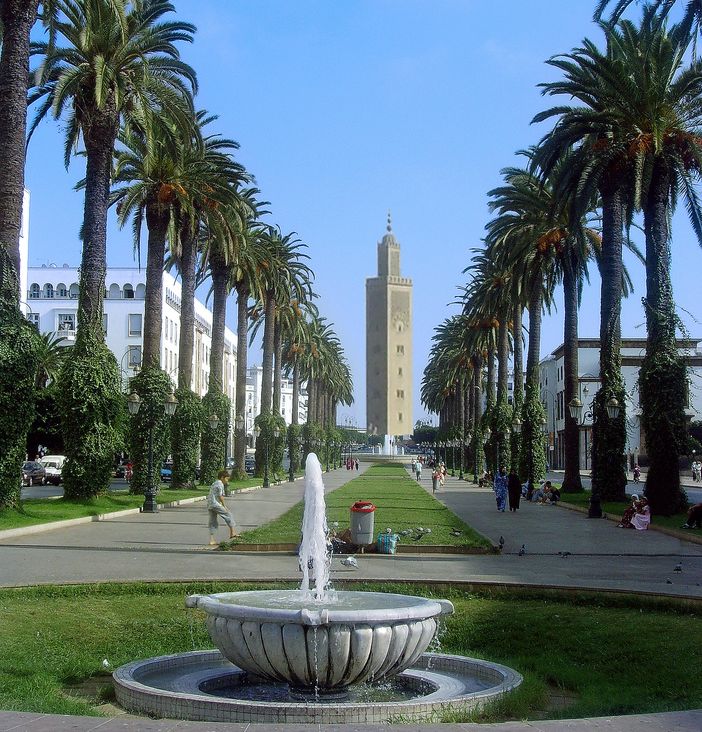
(362, 520)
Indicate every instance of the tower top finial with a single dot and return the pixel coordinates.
(389, 226)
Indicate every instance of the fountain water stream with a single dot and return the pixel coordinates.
(315, 558)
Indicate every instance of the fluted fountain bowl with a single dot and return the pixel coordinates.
(320, 647)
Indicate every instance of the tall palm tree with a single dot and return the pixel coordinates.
(639, 127)
(113, 64)
(691, 22)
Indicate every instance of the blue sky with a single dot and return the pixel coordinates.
(344, 110)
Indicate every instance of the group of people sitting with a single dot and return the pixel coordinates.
(638, 515)
(509, 487)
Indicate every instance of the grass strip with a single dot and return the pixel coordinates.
(46, 510)
(604, 656)
(401, 504)
(617, 508)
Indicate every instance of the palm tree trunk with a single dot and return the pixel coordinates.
(268, 348)
(99, 138)
(278, 365)
(503, 414)
(490, 377)
(609, 435)
(188, 263)
(296, 393)
(220, 290)
(17, 18)
(517, 356)
(571, 478)
(242, 322)
(157, 223)
(663, 374)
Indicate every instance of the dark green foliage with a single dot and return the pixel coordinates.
(269, 447)
(312, 435)
(46, 426)
(475, 457)
(502, 431)
(663, 390)
(153, 385)
(532, 459)
(294, 445)
(608, 444)
(213, 441)
(91, 406)
(186, 425)
(19, 344)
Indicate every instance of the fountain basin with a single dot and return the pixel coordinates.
(202, 685)
(320, 647)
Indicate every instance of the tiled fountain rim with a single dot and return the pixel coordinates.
(193, 704)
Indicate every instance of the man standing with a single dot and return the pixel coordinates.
(418, 470)
(216, 506)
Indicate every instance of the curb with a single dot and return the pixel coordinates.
(676, 534)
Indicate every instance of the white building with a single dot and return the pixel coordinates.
(254, 382)
(52, 300)
(552, 391)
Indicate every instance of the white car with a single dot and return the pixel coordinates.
(53, 465)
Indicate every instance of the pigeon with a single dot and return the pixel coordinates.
(456, 532)
(405, 532)
(522, 551)
(335, 524)
(564, 554)
(502, 542)
(678, 567)
(427, 531)
(350, 562)
(106, 663)
(388, 530)
(669, 582)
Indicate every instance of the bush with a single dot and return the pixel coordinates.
(186, 427)
(213, 441)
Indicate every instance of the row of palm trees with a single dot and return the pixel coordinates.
(628, 141)
(111, 72)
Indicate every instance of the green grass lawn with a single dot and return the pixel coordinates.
(617, 508)
(610, 655)
(45, 510)
(401, 504)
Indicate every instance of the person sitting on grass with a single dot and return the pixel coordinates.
(694, 517)
(629, 514)
(642, 517)
(553, 494)
(537, 495)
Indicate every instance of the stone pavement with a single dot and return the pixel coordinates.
(669, 722)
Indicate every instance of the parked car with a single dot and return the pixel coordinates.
(121, 470)
(250, 464)
(33, 473)
(53, 468)
(166, 472)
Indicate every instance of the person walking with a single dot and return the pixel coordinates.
(500, 488)
(216, 506)
(418, 470)
(435, 478)
(514, 490)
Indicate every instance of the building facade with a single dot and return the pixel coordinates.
(254, 381)
(389, 344)
(552, 390)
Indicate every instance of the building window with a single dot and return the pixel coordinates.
(128, 292)
(49, 291)
(34, 292)
(66, 322)
(400, 393)
(399, 371)
(33, 318)
(400, 350)
(135, 320)
(399, 416)
(135, 355)
(61, 291)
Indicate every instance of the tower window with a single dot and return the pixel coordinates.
(399, 371)
(400, 350)
(400, 393)
(399, 416)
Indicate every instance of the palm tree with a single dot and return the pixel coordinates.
(691, 22)
(119, 66)
(638, 145)
(49, 359)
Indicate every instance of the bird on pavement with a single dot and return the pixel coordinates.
(502, 542)
(522, 551)
(564, 554)
(456, 532)
(669, 582)
(350, 562)
(678, 567)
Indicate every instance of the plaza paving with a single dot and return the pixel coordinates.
(563, 549)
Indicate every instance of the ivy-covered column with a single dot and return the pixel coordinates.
(213, 438)
(186, 427)
(532, 460)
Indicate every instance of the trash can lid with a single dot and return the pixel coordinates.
(363, 507)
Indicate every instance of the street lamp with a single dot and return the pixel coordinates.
(453, 458)
(169, 407)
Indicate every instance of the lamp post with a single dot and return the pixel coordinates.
(453, 458)
(169, 406)
(575, 407)
(239, 424)
(257, 432)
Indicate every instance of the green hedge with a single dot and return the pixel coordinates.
(186, 427)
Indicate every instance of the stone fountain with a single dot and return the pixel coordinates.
(300, 655)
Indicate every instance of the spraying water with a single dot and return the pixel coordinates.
(314, 557)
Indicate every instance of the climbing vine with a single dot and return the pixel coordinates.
(186, 426)
(19, 343)
(294, 444)
(213, 440)
(92, 409)
(269, 448)
(532, 458)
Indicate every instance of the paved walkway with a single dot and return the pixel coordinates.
(563, 549)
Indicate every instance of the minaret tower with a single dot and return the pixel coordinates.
(389, 343)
